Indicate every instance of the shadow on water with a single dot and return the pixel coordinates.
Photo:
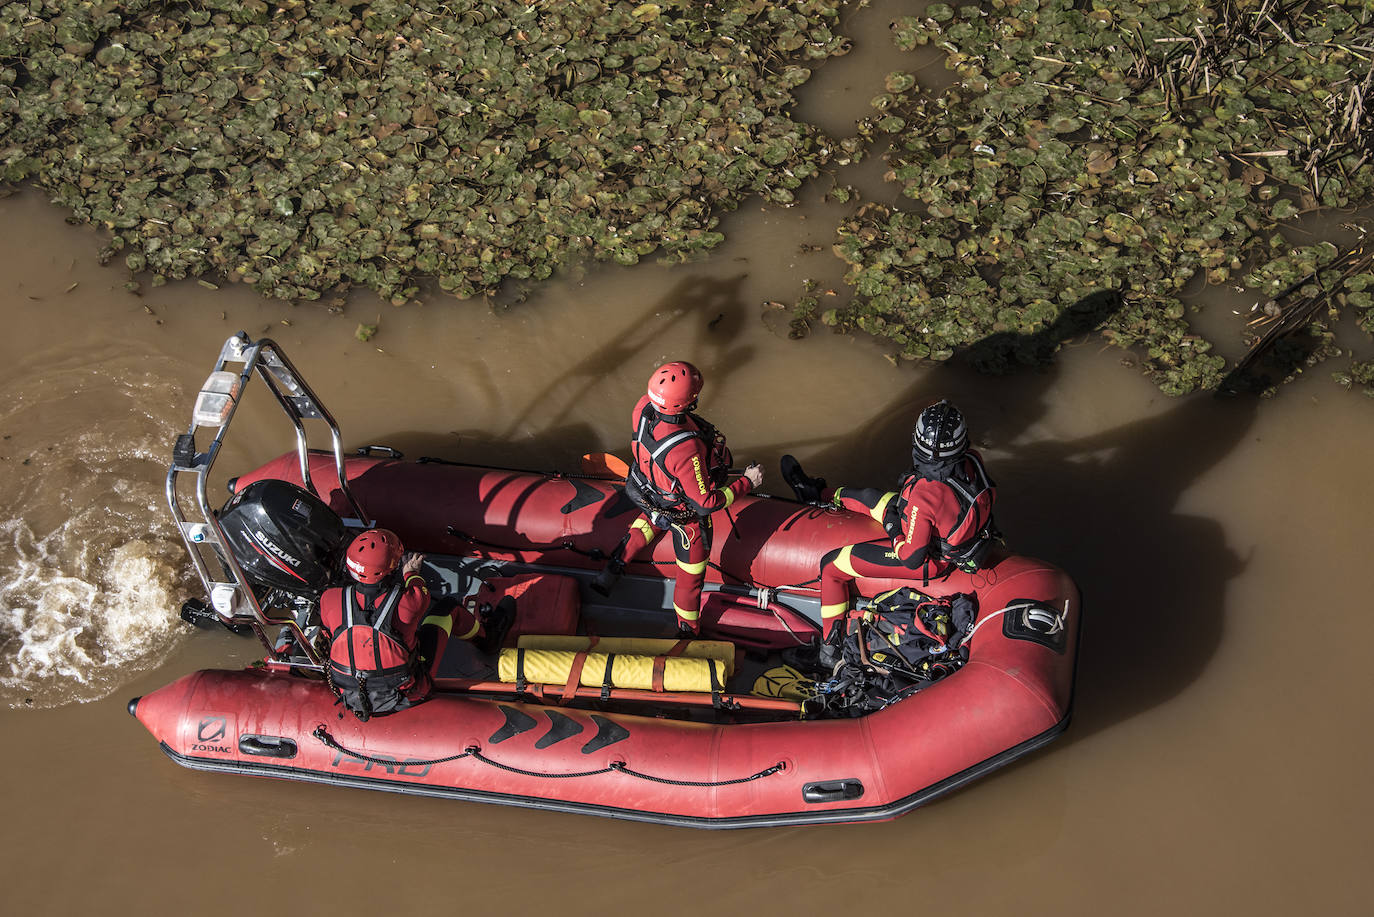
(1001, 383)
(550, 449)
(1154, 579)
(703, 315)
(710, 309)
(1104, 506)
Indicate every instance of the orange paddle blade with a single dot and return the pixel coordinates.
(605, 463)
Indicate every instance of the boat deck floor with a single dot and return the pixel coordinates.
(638, 606)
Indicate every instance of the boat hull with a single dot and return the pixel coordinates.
(524, 550)
(621, 766)
(1013, 695)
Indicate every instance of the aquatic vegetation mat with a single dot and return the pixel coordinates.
(1138, 151)
(300, 146)
(1131, 148)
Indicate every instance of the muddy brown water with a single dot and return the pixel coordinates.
(1217, 761)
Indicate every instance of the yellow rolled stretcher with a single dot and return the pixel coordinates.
(619, 662)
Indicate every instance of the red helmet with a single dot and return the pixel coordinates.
(373, 555)
(673, 388)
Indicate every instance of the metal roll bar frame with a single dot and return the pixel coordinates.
(227, 589)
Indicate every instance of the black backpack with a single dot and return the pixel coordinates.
(911, 636)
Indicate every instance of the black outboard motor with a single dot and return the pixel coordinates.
(284, 537)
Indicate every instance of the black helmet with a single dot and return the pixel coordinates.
(940, 433)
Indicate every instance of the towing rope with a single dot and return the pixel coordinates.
(473, 751)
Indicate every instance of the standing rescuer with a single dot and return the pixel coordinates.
(677, 480)
(938, 519)
(383, 635)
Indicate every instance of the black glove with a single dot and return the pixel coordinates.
(892, 522)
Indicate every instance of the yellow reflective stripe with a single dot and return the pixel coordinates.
(644, 527)
(686, 615)
(834, 611)
(693, 568)
(842, 560)
(476, 626)
(729, 496)
(879, 511)
(444, 621)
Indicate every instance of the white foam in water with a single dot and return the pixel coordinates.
(92, 601)
(79, 616)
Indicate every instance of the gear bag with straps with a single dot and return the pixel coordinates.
(914, 636)
(368, 686)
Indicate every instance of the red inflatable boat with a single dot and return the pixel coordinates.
(544, 721)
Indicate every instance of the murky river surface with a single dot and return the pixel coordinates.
(1218, 758)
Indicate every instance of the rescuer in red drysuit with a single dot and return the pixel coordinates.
(939, 518)
(677, 479)
(384, 637)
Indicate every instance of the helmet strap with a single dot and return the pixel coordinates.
(667, 417)
(370, 591)
(934, 469)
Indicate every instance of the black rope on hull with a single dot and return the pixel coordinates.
(473, 751)
(325, 738)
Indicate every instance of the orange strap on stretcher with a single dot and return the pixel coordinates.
(575, 672)
(661, 662)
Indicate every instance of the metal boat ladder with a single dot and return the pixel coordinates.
(230, 595)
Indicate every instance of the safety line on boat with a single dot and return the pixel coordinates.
(476, 752)
(472, 751)
(598, 554)
(1021, 606)
(766, 772)
(325, 738)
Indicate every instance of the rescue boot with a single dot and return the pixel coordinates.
(807, 488)
(830, 649)
(605, 581)
(496, 623)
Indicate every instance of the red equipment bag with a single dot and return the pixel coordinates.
(545, 603)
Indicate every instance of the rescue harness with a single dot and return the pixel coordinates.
(639, 484)
(380, 689)
(972, 490)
